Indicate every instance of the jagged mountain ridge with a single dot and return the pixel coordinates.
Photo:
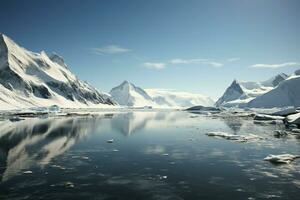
(240, 93)
(287, 93)
(39, 79)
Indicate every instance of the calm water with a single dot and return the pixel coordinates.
(154, 155)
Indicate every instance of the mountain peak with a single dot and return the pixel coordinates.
(275, 80)
(5, 39)
(2, 35)
(2, 41)
(234, 82)
(35, 76)
(127, 94)
(54, 57)
(236, 86)
(3, 52)
(234, 91)
(125, 82)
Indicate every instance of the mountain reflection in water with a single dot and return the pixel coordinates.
(154, 155)
(36, 141)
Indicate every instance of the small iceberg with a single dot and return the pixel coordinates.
(285, 112)
(27, 172)
(203, 110)
(110, 141)
(293, 119)
(295, 130)
(267, 117)
(238, 138)
(281, 159)
(280, 133)
(54, 108)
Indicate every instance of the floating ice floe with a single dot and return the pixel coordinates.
(15, 119)
(110, 141)
(281, 159)
(295, 130)
(293, 119)
(267, 117)
(204, 108)
(280, 133)
(27, 172)
(269, 122)
(285, 112)
(68, 184)
(81, 157)
(238, 138)
(54, 108)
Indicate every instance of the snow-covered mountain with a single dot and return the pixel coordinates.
(29, 79)
(173, 98)
(127, 94)
(240, 93)
(287, 93)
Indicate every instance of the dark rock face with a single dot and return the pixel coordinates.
(73, 91)
(57, 59)
(40, 91)
(12, 81)
(234, 91)
(204, 108)
(279, 78)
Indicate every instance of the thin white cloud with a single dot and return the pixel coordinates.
(110, 49)
(274, 66)
(179, 61)
(186, 61)
(213, 64)
(233, 59)
(196, 61)
(152, 65)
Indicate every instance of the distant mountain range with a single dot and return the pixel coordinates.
(127, 94)
(29, 79)
(279, 91)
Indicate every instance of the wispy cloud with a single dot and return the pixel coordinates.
(187, 61)
(213, 64)
(179, 61)
(233, 59)
(287, 64)
(200, 61)
(156, 65)
(110, 49)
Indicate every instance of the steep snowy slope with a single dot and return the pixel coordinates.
(36, 79)
(287, 93)
(173, 98)
(239, 93)
(127, 94)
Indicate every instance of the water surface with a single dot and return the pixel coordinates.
(154, 155)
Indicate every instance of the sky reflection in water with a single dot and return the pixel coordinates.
(155, 155)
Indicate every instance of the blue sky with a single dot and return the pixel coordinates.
(196, 45)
